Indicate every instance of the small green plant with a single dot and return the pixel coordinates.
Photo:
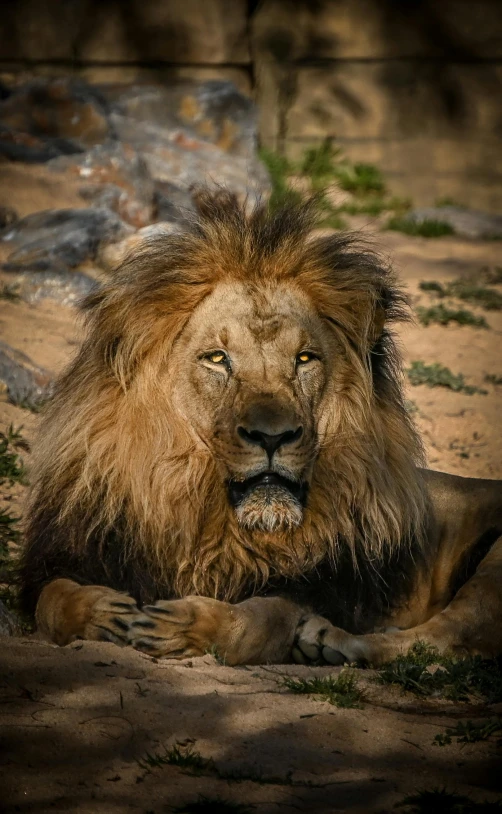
(440, 801)
(469, 732)
(424, 228)
(319, 163)
(446, 201)
(8, 532)
(10, 293)
(493, 378)
(461, 289)
(438, 376)
(11, 466)
(490, 275)
(442, 315)
(360, 179)
(279, 168)
(454, 679)
(341, 691)
(185, 757)
(212, 805)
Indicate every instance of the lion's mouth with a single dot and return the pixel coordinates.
(269, 481)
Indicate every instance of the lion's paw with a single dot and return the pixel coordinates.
(178, 628)
(112, 618)
(318, 641)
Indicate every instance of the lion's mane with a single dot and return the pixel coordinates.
(122, 494)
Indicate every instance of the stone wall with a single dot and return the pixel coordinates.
(414, 86)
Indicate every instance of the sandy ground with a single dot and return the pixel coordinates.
(75, 722)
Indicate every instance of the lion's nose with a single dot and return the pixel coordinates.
(270, 443)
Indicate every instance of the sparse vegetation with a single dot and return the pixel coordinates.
(8, 532)
(464, 289)
(424, 228)
(438, 376)
(440, 801)
(341, 691)
(447, 201)
(279, 168)
(9, 292)
(470, 732)
(490, 275)
(453, 678)
(324, 165)
(11, 466)
(493, 378)
(442, 315)
(185, 757)
(320, 163)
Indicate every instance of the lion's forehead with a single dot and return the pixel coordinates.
(236, 314)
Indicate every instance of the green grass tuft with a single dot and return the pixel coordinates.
(438, 376)
(426, 228)
(10, 293)
(454, 679)
(319, 163)
(461, 289)
(490, 275)
(440, 801)
(185, 757)
(470, 732)
(360, 179)
(493, 378)
(442, 315)
(8, 532)
(341, 691)
(279, 168)
(11, 467)
(212, 805)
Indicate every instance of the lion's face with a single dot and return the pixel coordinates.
(251, 370)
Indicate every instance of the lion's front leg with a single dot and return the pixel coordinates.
(317, 640)
(257, 631)
(469, 625)
(67, 611)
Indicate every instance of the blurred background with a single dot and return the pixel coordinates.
(413, 86)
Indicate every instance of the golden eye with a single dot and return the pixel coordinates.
(304, 357)
(217, 358)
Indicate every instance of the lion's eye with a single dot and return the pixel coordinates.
(304, 357)
(217, 358)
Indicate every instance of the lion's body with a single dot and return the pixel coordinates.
(233, 429)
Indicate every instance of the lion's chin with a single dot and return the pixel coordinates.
(269, 508)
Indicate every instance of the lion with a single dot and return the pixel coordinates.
(228, 464)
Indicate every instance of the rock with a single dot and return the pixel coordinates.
(114, 255)
(62, 238)
(113, 176)
(176, 158)
(9, 623)
(172, 202)
(28, 384)
(59, 108)
(213, 111)
(65, 287)
(466, 222)
(18, 146)
(191, 133)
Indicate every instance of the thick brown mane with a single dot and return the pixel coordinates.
(121, 491)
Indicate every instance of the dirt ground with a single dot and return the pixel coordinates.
(74, 722)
